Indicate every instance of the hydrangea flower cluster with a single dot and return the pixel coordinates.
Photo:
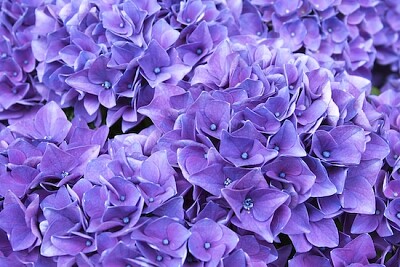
(20, 96)
(199, 133)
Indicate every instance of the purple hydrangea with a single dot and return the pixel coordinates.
(199, 133)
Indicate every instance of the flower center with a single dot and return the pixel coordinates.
(213, 127)
(159, 258)
(326, 154)
(106, 85)
(398, 215)
(276, 148)
(3, 55)
(122, 198)
(88, 243)
(64, 174)
(157, 70)
(207, 245)
(292, 34)
(277, 114)
(188, 20)
(248, 204)
(165, 241)
(26, 62)
(199, 51)
(282, 175)
(125, 220)
(377, 212)
(227, 181)
(121, 25)
(151, 200)
(244, 155)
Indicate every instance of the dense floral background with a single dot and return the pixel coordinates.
(200, 133)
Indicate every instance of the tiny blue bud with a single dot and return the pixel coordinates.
(248, 204)
(106, 85)
(227, 181)
(326, 154)
(157, 70)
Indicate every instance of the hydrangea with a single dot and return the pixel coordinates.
(199, 133)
